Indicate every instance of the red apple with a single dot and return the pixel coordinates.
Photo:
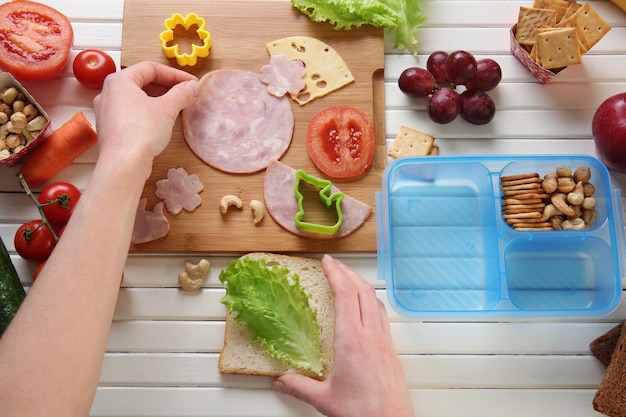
(609, 132)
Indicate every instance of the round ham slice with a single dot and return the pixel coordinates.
(235, 125)
(281, 203)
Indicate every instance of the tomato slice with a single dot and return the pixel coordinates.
(35, 40)
(341, 141)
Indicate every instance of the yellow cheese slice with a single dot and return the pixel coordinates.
(326, 71)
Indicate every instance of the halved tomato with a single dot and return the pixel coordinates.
(341, 141)
(35, 40)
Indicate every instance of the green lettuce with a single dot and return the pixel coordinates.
(276, 309)
(400, 18)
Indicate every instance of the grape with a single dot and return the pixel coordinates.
(436, 64)
(416, 82)
(444, 105)
(488, 75)
(460, 67)
(477, 107)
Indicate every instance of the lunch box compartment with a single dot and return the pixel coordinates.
(445, 250)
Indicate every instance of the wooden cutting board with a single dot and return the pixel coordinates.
(240, 31)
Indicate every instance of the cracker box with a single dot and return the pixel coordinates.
(7, 80)
(555, 34)
(540, 73)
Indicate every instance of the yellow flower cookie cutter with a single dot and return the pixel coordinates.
(327, 197)
(197, 51)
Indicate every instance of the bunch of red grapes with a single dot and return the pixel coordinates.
(439, 81)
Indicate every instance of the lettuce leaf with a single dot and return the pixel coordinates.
(276, 309)
(400, 18)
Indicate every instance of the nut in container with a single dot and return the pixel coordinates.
(23, 123)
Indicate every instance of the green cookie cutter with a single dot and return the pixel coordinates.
(326, 197)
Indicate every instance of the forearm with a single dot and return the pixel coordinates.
(55, 345)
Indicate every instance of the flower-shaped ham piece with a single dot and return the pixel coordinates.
(149, 225)
(179, 191)
(282, 75)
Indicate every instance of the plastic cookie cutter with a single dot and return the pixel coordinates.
(170, 46)
(327, 197)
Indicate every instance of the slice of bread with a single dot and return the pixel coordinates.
(603, 346)
(240, 356)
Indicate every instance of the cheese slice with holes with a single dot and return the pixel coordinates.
(326, 71)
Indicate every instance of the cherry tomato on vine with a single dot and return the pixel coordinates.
(91, 67)
(58, 201)
(341, 141)
(33, 241)
(36, 40)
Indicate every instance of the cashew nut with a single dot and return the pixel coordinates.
(201, 269)
(230, 200)
(258, 209)
(576, 196)
(560, 203)
(189, 284)
(549, 211)
(574, 224)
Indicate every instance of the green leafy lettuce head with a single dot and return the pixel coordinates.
(400, 18)
(275, 308)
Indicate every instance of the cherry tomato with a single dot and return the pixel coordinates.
(91, 67)
(341, 141)
(58, 200)
(35, 40)
(33, 241)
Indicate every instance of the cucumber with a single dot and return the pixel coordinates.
(11, 290)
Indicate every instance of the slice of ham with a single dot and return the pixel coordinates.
(235, 125)
(281, 203)
(282, 75)
(149, 225)
(179, 190)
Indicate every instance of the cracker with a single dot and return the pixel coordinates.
(434, 150)
(558, 48)
(529, 20)
(514, 200)
(524, 186)
(516, 177)
(411, 142)
(592, 24)
(559, 6)
(521, 181)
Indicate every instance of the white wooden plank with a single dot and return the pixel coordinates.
(422, 371)
(196, 402)
(157, 336)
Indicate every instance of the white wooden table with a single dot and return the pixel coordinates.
(163, 348)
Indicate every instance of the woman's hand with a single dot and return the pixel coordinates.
(137, 109)
(367, 377)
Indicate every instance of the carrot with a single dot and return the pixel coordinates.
(59, 150)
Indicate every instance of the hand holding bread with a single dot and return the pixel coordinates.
(367, 378)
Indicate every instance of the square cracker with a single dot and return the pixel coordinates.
(558, 48)
(411, 142)
(529, 20)
(559, 6)
(592, 24)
